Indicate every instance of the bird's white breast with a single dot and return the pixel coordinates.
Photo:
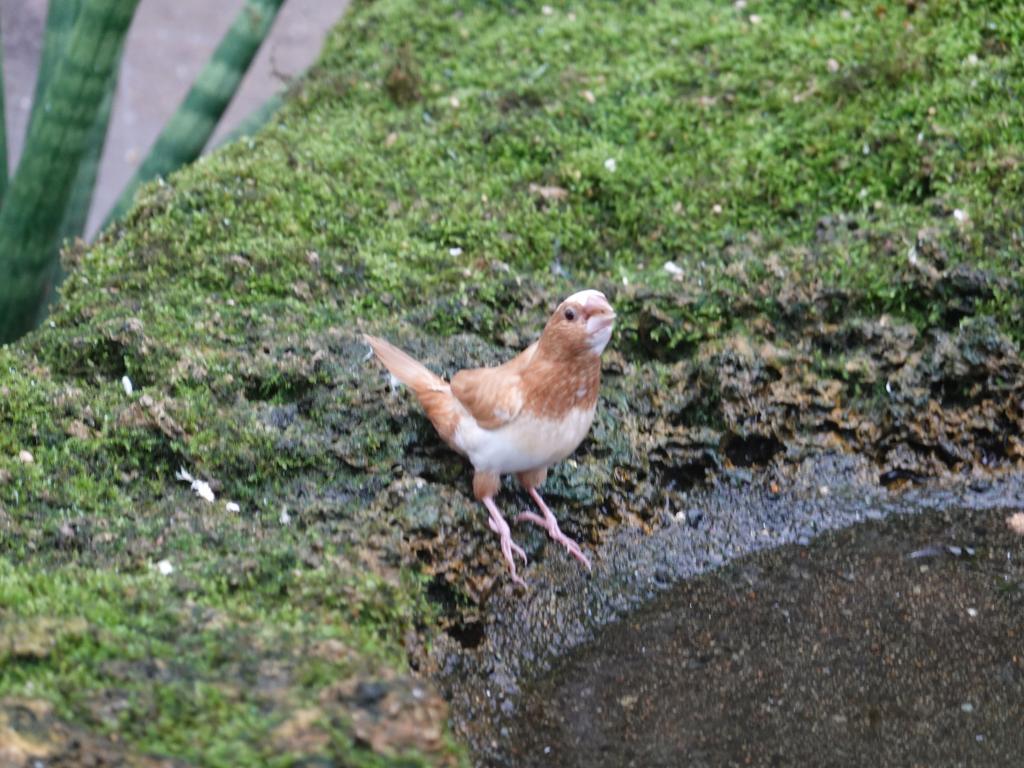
(527, 442)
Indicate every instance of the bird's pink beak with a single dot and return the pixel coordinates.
(600, 318)
(598, 309)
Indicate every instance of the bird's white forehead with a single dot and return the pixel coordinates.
(580, 297)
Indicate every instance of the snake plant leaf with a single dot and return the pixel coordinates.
(3, 127)
(188, 130)
(58, 136)
(60, 20)
(76, 213)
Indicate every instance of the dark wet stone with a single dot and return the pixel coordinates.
(739, 476)
(791, 654)
(527, 635)
(369, 693)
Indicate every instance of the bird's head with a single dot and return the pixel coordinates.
(582, 325)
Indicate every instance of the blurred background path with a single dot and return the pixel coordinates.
(167, 46)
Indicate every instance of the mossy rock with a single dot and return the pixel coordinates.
(807, 217)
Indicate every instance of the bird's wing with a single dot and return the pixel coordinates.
(493, 396)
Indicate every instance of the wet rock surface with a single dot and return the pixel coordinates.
(758, 401)
(892, 642)
(854, 637)
(31, 734)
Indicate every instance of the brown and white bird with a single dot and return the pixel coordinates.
(522, 416)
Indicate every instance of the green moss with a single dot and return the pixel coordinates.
(202, 673)
(791, 193)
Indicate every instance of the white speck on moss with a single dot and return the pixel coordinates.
(610, 165)
(165, 567)
(201, 488)
(126, 385)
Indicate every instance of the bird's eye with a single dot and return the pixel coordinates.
(570, 314)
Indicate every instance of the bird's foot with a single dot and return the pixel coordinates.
(508, 547)
(550, 524)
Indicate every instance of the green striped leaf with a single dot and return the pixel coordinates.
(3, 128)
(58, 138)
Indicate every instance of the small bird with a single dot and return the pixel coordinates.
(522, 416)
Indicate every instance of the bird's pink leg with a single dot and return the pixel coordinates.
(500, 527)
(550, 524)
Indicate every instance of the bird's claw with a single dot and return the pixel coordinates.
(508, 547)
(570, 546)
(519, 551)
(574, 549)
(550, 524)
(531, 517)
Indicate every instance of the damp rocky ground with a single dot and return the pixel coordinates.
(866, 625)
(893, 642)
(225, 539)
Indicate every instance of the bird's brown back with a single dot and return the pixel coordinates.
(493, 396)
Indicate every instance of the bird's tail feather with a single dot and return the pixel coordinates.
(403, 367)
(433, 392)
